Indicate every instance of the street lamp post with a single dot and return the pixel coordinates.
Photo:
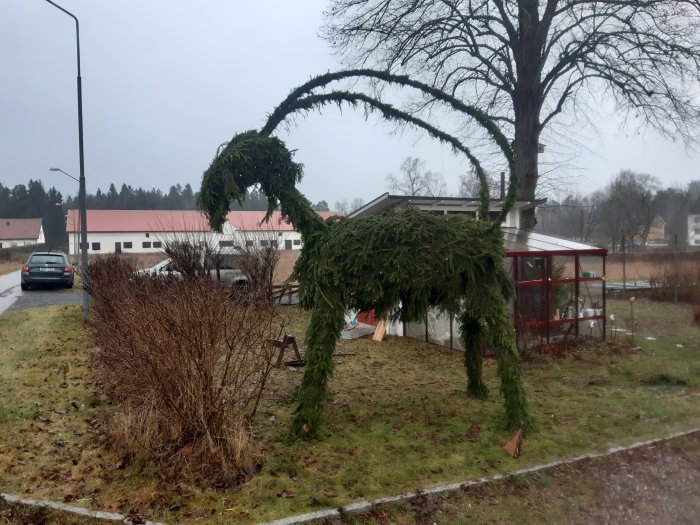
(81, 181)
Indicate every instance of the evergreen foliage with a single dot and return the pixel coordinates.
(406, 258)
(33, 201)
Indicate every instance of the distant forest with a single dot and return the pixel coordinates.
(32, 200)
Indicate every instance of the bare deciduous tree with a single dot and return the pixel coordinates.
(469, 185)
(629, 204)
(416, 180)
(575, 217)
(348, 207)
(524, 62)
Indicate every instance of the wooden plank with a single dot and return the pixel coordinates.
(379, 331)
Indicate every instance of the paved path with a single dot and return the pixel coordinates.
(13, 298)
(9, 289)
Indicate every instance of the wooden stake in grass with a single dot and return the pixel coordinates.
(632, 299)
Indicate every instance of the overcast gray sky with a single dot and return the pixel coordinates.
(165, 82)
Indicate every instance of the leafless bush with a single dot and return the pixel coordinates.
(679, 280)
(191, 259)
(186, 362)
(257, 255)
(259, 268)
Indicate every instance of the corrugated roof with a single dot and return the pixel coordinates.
(518, 242)
(251, 220)
(20, 229)
(386, 202)
(115, 221)
(138, 221)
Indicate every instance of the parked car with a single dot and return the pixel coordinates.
(47, 268)
(227, 271)
(164, 267)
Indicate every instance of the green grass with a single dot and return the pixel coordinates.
(9, 267)
(397, 419)
(575, 493)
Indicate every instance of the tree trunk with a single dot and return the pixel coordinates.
(526, 170)
(527, 97)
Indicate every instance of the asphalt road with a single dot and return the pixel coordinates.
(13, 298)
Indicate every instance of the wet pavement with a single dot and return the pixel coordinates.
(13, 298)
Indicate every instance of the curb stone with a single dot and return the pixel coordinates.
(364, 505)
(55, 505)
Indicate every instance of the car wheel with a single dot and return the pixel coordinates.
(25, 287)
(69, 285)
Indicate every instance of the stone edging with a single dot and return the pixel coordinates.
(55, 505)
(366, 505)
(358, 506)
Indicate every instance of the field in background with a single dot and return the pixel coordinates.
(644, 265)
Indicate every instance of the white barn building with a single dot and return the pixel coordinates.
(146, 231)
(21, 232)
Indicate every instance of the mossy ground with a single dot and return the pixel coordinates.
(397, 419)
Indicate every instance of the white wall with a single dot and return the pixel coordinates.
(693, 230)
(107, 241)
(9, 243)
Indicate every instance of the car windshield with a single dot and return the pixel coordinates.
(46, 259)
(163, 266)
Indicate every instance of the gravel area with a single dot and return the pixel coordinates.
(658, 484)
(37, 298)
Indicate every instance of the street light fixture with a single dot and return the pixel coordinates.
(81, 181)
(66, 174)
(75, 248)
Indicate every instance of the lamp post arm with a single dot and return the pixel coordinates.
(77, 28)
(81, 196)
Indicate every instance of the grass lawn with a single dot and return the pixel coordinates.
(9, 267)
(398, 419)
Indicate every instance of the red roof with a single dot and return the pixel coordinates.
(138, 221)
(173, 220)
(20, 229)
(251, 220)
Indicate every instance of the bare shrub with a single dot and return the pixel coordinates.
(186, 362)
(191, 259)
(258, 265)
(678, 280)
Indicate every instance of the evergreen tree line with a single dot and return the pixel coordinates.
(178, 197)
(33, 201)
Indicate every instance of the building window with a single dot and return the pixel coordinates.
(225, 244)
(263, 242)
(696, 219)
(697, 241)
(13, 244)
(297, 242)
(249, 243)
(95, 246)
(148, 235)
(0, 245)
(127, 245)
(145, 244)
(157, 244)
(274, 243)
